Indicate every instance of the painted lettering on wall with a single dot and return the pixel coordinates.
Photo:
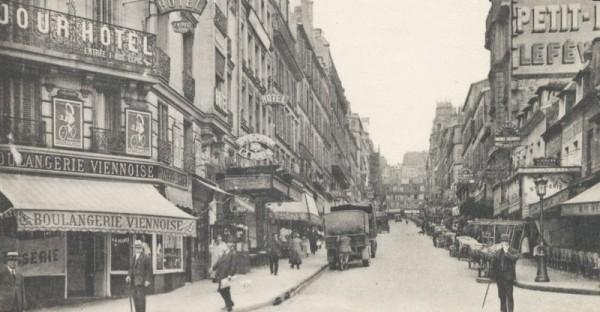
(553, 37)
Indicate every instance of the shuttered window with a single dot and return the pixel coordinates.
(19, 97)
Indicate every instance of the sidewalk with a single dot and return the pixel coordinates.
(250, 291)
(560, 281)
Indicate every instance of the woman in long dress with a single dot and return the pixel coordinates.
(295, 251)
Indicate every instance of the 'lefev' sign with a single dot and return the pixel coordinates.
(192, 6)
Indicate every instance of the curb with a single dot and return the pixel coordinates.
(289, 293)
(547, 288)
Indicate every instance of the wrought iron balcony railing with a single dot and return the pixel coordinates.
(108, 141)
(189, 85)
(162, 65)
(24, 131)
(165, 152)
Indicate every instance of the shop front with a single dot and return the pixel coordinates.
(75, 235)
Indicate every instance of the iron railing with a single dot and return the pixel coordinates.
(108, 141)
(189, 85)
(24, 131)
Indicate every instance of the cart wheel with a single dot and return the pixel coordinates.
(366, 263)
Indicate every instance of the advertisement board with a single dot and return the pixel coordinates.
(138, 125)
(68, 123)
(552, 36)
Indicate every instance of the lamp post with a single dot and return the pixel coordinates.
(542, 272)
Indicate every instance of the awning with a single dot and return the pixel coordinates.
(210, 186)
(584, 204)
(69, 204)
(305, 210)
(179, 197)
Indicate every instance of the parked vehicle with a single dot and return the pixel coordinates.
(358, 222)
(383, 224)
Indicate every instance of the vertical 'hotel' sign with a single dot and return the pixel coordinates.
(192, 6)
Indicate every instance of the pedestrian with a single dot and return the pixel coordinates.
(345, 250)
(274, 252)
(225, 270)
(140, 275)
(503, 271)
(217, 250)
(12, 285)
(305, 246)
(295, 255)
(312, 239)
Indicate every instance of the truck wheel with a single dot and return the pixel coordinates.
(366, 263)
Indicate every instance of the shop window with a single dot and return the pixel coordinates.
(120, 252)
(169, 253)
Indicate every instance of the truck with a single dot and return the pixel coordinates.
(356, 221)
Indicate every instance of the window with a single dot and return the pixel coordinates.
(120, 245)
(103, 10)
(19, 97)
(163, 122)
(169, 253)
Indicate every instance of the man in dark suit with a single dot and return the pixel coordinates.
(140, 274)
(12, 286)
(225, 270)
(274, 252)
(503, 271)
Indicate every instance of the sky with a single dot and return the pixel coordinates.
(397, 58)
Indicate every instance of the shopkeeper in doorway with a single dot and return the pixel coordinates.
(140, 275)
(12, 285)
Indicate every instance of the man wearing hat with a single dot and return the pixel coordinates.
(12, 285)
(503, 271)
(140, 274)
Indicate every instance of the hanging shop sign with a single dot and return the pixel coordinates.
(255, 146)
(38, 257)
(42, 30)
(507, 137)
(82, 165)
(274, 98)
(182, 27)
(51, 220)
(138, 125)
(68, 123)
(192, 6)
(552, 37)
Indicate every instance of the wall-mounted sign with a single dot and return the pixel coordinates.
(546, 162)
(51, 220)
(551, 36)
(138, 132)
(37, 257)
(93, 42)
(68, 123)
(81, 165)
(182, 27)
(274, 98)
(507, 136)
(255, 146)
(192, 6)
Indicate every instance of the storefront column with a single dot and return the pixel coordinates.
(261, 221)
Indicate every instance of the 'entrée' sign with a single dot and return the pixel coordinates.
(552, 37)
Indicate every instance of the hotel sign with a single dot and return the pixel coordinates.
(52, 220)
(192, 6)
(83, 165)
(274, 98)
(94, 42)
(552, 36)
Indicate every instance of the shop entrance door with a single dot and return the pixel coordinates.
(85, 264)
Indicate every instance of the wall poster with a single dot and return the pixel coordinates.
(138, 125)
(68, 123)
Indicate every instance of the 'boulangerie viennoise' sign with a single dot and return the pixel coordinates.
(36, 220)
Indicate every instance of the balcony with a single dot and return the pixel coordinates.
(108, 141)
(162, 66)
(121, 53)
(165, 152)
(189, 85)
(189, 162)
(24, 131)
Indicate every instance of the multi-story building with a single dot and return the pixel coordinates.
(405, 188)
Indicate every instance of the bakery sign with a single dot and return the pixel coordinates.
(192, 6)
(552, 36)
(255, 147)
(94, 42)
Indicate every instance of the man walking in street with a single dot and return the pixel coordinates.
(12, 285)
(224, 271)
(503, 271)
(140, 274)
(274, 250)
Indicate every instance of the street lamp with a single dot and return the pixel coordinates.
(542, 272)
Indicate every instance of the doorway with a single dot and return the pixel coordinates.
(86, 264)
